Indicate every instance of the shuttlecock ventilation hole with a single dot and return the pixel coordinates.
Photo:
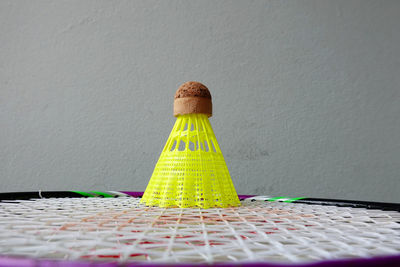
(189, 139)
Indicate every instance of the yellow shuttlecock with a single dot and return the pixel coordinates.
(191, 171)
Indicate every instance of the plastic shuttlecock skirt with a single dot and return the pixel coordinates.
(191, 170)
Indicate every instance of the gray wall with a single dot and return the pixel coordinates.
(306, 93)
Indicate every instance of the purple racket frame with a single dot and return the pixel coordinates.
(391, 261)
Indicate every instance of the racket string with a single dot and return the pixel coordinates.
(124, 229)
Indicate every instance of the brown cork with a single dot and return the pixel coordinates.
(192, 97)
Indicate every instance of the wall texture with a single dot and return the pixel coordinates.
(306, 93)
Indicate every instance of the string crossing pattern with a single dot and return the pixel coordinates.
(125, 230)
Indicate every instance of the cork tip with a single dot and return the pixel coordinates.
(192, 89)
(192, 97)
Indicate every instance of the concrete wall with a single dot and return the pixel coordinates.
(306, 93)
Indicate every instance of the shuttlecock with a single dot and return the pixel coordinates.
(191, 170)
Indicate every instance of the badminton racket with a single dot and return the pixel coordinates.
(74, 228)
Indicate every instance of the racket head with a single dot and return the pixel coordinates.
(253, 210)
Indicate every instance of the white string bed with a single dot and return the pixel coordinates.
(123, 229)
